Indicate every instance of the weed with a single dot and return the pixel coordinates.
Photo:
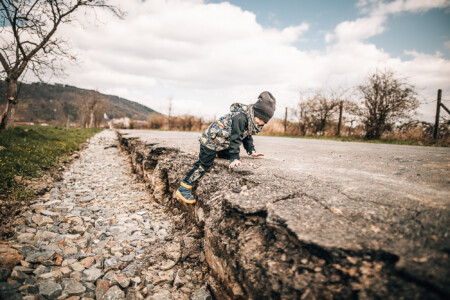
(26, 151)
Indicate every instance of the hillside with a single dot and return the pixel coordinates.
(40, 102)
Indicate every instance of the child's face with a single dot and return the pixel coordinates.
(259, 122)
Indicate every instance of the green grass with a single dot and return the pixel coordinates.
(26, 151)
(439, 143)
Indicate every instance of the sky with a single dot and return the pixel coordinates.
(204, 55)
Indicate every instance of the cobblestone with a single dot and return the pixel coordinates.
(98, 234)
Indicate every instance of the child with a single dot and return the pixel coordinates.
(223, 139)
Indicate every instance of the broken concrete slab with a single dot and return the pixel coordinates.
(314, 217)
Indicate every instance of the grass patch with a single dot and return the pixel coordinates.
(439, 143)
(26, 151)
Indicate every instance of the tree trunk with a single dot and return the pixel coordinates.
(341, 108)
(285, 120)
(91, 120)
(68, 123)
(11, 96)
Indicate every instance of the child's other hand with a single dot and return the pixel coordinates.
(257, 154)
(235, 163)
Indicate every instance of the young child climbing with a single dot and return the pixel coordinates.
(224, 137)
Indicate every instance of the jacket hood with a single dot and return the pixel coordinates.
(239, 107)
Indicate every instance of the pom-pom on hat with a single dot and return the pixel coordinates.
(265, 106)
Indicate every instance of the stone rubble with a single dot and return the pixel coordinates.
(98, 235)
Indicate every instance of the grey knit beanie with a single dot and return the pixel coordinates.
(265, 106)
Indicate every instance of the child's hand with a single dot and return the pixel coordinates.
(235, 163)
(257, 154)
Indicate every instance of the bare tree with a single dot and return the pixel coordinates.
(99, 112)
(28, 40)
(387, 100)
(200, 123)
(92, 110)
(351, 113)
(155, 121)
(323, 106)
(304, 115)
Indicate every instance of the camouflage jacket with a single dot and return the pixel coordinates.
(229, 131)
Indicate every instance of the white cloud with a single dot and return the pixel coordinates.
(377, 12)
(382, 7)
(358, 30)
(447, 45)
(206, 56)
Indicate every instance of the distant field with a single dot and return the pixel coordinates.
(26, 151)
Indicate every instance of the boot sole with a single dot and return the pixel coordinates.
(179, 196)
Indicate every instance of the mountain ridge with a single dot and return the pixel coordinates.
(52, 103)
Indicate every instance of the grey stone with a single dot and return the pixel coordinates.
(53, 247)
(92, 274)
(111, 262)
(42, 220)
(24, 269)
(90, 287)
(49, 213)
(25, 238)
(163, 278)
(41, 270)
(72, 287)
(49, 290)
(9, 291)
(161, 295)
(201, 294)
(136, 280)
(4, 273)
(127, 258)
(131, 269)
(53, 275)
(18, 275)
(45, 236)
(133, 294)
(29, 289)
(78, 276)
(68, 262)
(114, 293)
(177, 281)
(78, 267)
(39, 256)
(110, 278)
(27, 250)
(30, 281)
(86, 199)
(77, 256)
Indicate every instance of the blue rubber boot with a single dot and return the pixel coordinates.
(184, 193)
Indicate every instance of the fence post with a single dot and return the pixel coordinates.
(285, 121)
(341, 108)
(438, 108)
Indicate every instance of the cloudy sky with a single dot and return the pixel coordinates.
(206, 54)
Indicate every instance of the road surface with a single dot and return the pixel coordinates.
(392, 199)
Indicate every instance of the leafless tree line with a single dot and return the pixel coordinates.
(182, 123)
(380, 104)
(383, 104)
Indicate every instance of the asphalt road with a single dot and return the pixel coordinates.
(342, 195)
(410, 172)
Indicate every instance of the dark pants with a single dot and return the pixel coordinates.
(205, 161)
